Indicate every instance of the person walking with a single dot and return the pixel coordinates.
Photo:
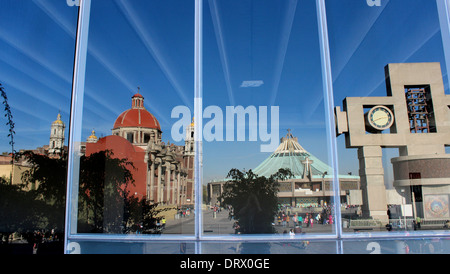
(163, 222)
(318, 218)
(236, 228)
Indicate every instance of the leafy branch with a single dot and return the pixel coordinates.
(10, 122)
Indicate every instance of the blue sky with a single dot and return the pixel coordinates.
(150, 44)
(36, 64)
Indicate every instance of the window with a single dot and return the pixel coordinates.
(398, 80)
(256, 59)
(146, 138)
(320, 126)
(130, 137)
(259, 61)
(37, 45)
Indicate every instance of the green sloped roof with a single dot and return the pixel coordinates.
(291, 155)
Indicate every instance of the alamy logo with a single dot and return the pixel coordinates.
(222, 127)
(372, 3)
(72, 3)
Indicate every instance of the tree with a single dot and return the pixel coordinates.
(20, 211)
(144, 215)
(104, 192)
(48, 179)
(104, 198)
(253, 199)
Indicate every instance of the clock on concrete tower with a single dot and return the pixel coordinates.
(379, 118)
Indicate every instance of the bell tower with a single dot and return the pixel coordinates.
(414, 118)
(189, 159)
(189, 141)
(56, 145)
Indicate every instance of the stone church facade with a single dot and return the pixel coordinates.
(164, 172)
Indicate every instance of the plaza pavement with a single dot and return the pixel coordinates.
(221, 224)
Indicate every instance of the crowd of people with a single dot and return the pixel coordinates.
(43, 238)
(183, 213)
(294, 219)
(306, 220)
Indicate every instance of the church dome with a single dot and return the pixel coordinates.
(137, 116)
(58, 121)
(92, 138)
(291, 155)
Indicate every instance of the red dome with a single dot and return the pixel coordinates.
(137, 117)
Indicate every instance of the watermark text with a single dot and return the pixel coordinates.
(234, 125)
(72, 3)
(374, 3)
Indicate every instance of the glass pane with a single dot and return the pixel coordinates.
(112, 247)
(391, 91)
(136, 169)
(262, 83)
(398, 246)
(293, 247)
(37, 42)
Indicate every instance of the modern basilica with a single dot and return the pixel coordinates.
(311, 186)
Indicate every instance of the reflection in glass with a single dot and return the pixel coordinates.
(388, 80)
(37, 41)
(262, 83)
(136, 175)
(262, 65)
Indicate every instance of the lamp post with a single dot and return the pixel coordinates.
(323, 183)
(404, 206)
